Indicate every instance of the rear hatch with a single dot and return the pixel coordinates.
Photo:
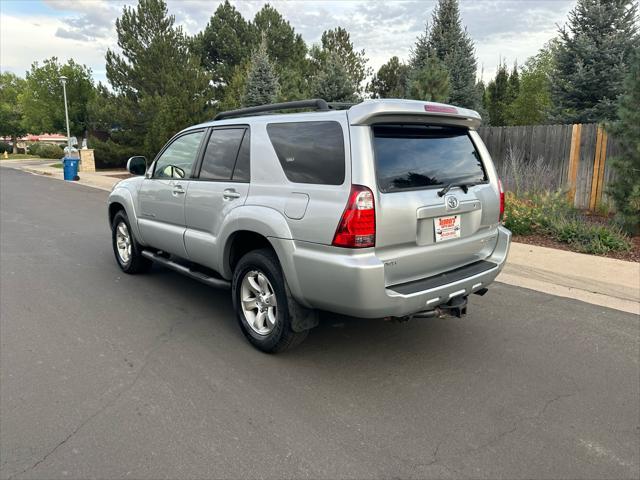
(436, 207)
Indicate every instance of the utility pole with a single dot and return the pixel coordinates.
(66, 113)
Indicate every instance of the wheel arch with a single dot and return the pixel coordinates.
(121, 199)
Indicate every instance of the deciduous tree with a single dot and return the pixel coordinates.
(42, 100)
(11, 124)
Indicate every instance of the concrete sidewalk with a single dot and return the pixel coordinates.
(607, 282)
(103, 180)
(597, 280)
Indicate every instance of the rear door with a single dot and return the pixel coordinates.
(220, 184)
(437, 209)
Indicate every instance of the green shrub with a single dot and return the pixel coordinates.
(535, 212)
(5, 147)
(590, 238)
(48, 150)
(33, 148)
(110, 154)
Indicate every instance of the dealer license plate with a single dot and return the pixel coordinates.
(447, 228)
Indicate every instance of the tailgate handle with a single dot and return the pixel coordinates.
(441, 210)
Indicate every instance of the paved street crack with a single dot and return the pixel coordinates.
(160, 340)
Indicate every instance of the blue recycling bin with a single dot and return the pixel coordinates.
(70, 168)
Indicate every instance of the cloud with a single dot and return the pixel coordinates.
(88, 19)
(84, 29)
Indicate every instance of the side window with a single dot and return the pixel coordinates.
(221, 153)
(310, 152)
(241, 170)
(177, 160)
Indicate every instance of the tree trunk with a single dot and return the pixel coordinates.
(14, 141)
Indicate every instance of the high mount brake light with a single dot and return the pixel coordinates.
(501, 200)
(440, 109)
(357, 227)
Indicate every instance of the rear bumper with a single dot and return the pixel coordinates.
(353, 283)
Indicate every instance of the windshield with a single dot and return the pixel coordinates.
(422, 156)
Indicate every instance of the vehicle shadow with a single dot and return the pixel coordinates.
(338, 341)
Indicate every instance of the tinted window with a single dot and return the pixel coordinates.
(220, 155)
(310, 152)
(177, 160)
(241, 170)
(419, 156)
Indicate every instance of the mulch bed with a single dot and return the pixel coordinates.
(632, 255)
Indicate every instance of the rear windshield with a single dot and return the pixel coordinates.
(423, 156)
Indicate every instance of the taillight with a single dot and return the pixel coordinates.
(501, 199)
(357, 227)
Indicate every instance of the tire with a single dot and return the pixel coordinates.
(132, 261)
(272, 333)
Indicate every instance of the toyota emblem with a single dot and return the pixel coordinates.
(452, 202)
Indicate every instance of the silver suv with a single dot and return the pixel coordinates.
(385, 209)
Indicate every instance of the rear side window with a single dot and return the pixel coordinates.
(221, 153)
(423, 156)
(310, 152)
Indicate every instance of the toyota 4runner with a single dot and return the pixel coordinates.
(383, 209)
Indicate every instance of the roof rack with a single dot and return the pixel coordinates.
(316, 103)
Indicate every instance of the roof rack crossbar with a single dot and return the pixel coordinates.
(316, 103)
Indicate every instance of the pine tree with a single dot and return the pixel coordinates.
(159, 85)
(390, 81)
(262, 82)
(497, 97)
(430, 82)
(225, 43)
(513, 86)
(625, 190)
(287, 52)
(592, 60)
(334, 83)
(448, 41)
(339, 42)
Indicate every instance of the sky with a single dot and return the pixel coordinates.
(511, 30)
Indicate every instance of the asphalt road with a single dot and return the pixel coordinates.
(105, 375)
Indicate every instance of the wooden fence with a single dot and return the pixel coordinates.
(577, 155)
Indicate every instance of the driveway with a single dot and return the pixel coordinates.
(105, 375)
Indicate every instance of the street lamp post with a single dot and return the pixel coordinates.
(66, 113)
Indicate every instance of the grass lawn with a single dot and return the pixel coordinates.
(16, 156)
(25, 156)
(56, 165)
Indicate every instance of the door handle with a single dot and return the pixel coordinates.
(229, 194)
(178, 190)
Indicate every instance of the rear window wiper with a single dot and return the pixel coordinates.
(463, 185)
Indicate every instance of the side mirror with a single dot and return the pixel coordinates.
(137, 165)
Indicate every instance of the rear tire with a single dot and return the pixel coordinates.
(261, 303)
(126, 249)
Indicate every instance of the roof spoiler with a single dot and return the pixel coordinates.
(374, 111)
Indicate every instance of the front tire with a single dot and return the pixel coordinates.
(125, 247)
(262, 304)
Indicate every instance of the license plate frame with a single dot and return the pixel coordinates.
(446, 228)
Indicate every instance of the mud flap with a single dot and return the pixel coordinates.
(301, 318)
